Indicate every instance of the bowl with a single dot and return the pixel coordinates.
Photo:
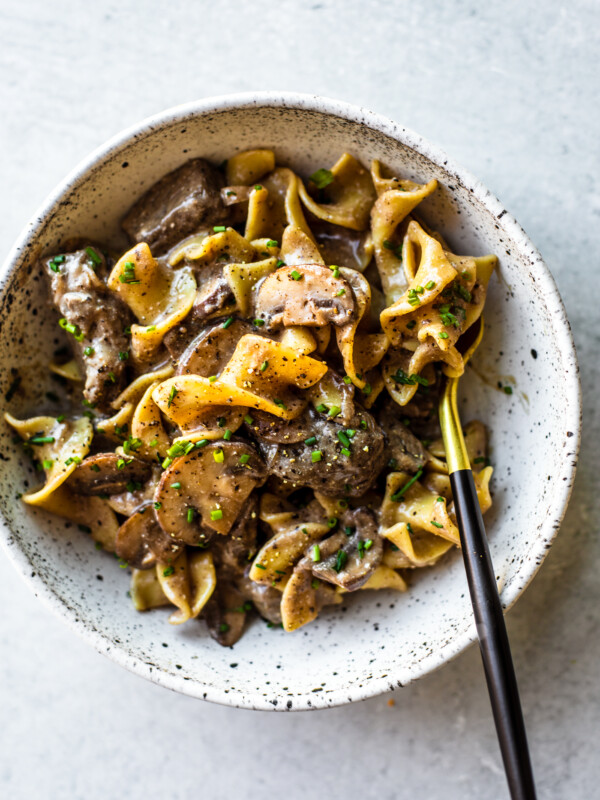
(376, 641)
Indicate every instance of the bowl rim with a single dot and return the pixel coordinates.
(510, 227)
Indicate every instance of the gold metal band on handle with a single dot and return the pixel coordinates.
(454, 441)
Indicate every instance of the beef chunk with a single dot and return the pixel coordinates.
(100, 317)
(176, 206)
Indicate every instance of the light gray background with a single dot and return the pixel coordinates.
(511, 91)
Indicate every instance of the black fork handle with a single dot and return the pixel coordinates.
(493, 639)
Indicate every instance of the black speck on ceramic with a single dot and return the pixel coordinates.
(375, 641)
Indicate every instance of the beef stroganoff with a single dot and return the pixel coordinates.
(259, 374)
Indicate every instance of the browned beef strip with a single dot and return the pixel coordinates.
(176, 206)
(84, 300)
(335, 473)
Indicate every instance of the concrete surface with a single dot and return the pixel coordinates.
(510, 90)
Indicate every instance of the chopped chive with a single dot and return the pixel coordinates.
(272, 243)
(123, 355)
(218, 456)
(176, 485)
(315, 456)
(191, 513)
(347, 379)
(367, 389)
(321, 178)
(72, 460)
(95, 468)
(167, 463)
(430, 285)
(279, 403)
(340, 293)
(332, 522)
(322, 408)
(88, 351)
(157, 506)
(316, 553)
(153, 443)
(363, 424)
(248, 419)
(397, 496)
(343, 438)
(296, 275)
(244, 458)
(340, 560)
(227, 322)
(221, 422)
(172, 395)
(443, 335)
(311, 440)
(61, 418)
(41, 440)
(368, 544)
(346, 452)
(150, 328)
(280, 263)
(260, 566)
(219, 228)
(47, 463)
(168, 571)
(507, 390)
(258, 187)
(258, 323)
(93, 255)
(212, 378)
(201, 443)
(216, 513)
(264, 366)
(437, 524)
(336, 272)
(334, 411)
(350, 433)
(227, 435)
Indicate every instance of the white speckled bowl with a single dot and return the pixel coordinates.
(375, 641)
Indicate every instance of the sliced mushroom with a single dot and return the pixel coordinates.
(266, 599)
(322, 464)
(128, 502)
(207, 489)
(225, 612)
(109, 473)
(304, 295)
(351, 556)
(142, 542)
(177, 205)
(210, 351)
(404, 450)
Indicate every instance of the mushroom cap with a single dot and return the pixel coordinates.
(307, 294)
(210, 351)
(142, 542)
(214, 481)
(108, 473)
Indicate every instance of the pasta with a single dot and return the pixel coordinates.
(261, 370)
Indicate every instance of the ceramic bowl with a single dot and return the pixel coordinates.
(375, 641)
